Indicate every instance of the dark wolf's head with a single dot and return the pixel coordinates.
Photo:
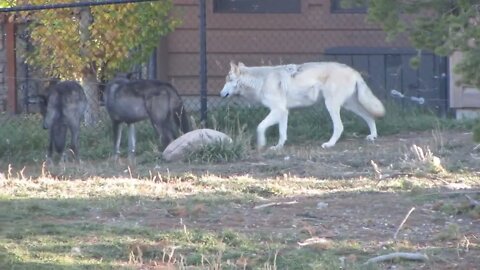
(49, 102)
(53, 109)
(112, 86)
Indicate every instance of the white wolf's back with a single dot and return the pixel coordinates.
(338, 81)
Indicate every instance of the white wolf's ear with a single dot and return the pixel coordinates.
(234, 68)
(241, 65)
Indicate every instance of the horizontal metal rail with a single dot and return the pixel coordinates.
(71, 5)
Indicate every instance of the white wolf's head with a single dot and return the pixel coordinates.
(232, 83)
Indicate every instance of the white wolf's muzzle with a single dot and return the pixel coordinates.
(228, 89)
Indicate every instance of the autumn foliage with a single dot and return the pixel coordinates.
(118, 36)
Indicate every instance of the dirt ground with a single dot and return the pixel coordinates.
(451, 238)
(360, 194)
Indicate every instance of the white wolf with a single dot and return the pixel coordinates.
(288, 86)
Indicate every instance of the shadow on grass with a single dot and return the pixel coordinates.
(125, 231)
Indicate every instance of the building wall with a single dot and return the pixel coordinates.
(259, 39)
(461, 95)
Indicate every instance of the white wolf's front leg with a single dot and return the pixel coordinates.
(272, 118)
(334, 110)
(282, 130)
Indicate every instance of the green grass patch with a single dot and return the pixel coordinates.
(24, 141)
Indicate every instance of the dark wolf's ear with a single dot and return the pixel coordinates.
(124, 75)
(42, 101)
(53, 81)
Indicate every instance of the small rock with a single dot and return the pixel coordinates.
(322, 205)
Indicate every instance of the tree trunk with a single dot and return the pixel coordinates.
(90, 86)
(89, 76)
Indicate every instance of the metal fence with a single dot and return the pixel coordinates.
(195, 57)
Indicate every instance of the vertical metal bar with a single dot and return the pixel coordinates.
(11, 66)
(443, 86)
(203, 62)
(152, 65)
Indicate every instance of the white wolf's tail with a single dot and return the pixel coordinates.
(368, 100)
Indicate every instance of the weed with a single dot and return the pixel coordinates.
(451, 232)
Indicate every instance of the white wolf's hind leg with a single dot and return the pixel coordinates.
(334, 110)
(354, 106)
(271, 119)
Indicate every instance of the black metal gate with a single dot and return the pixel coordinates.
(391, 77)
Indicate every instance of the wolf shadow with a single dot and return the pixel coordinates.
(62, 106)
(130, 101)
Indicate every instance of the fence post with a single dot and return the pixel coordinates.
(203, 62)
(11, 65)
(152, 65)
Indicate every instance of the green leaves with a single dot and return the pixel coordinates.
(7, 3)
(441, 26)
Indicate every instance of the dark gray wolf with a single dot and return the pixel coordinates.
(129, 101)
(62, 106)
(280, 88)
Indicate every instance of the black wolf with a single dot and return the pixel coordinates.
(62, 107)
(129, 101)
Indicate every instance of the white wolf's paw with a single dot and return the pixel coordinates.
(371, 137)
(276, 147)
(327, 145)
(260, 147)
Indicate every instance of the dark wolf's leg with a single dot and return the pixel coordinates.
(169, 133)
(181, 119)
(158, 127)
(161, 117)
(74, 132)
(50, 145)
(117, 137)
(73, 118)
(57, 139)
(131, 141)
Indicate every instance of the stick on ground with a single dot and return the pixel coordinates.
(274, 204)
(403, 222)
(473, 203)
